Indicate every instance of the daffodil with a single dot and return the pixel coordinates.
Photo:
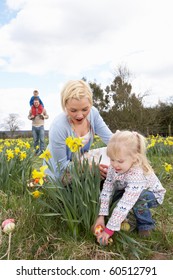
(39, 174)
(170, 142)
(46, 155)
(74, 144)
(168, 167)
(7, 143)
(16, 150)
(36, 194)
(22, 155)
(20, 143)
(9, 154)
(27, 145)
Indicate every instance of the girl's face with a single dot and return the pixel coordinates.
(123, 161)
(78, 110)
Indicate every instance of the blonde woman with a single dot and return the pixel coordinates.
(130, 179)
(78, 119)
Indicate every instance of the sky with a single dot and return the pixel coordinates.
(45, 43)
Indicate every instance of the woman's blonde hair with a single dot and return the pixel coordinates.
(135, 144)
(75, 89)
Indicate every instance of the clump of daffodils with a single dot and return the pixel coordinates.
(38, 177)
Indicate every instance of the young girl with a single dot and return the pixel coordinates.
(131, 178)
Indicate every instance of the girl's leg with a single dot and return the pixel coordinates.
(142, 212)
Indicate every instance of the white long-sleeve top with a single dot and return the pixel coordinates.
(134, 181)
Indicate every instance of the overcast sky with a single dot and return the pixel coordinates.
(44, 43)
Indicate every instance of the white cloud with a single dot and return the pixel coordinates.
(73, 38)
(69, 35)
(15, 5)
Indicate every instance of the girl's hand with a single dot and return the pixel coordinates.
(99, 222)
(103, 238)
(103, 170)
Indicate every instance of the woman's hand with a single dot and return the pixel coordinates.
(103, 170)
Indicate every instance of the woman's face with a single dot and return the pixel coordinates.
(78, 110)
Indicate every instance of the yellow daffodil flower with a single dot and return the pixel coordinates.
(39, 174)
(7, 143)
(16, 150)
(22, 155)
(9, 154)
(20, 143)
(74, 143)
(168, 167)
(27, 145)
(46, 155)
(36, 194)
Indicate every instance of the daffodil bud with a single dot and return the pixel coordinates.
(8, 226)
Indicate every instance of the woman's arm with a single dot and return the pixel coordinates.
(100, 127)
(61, 155)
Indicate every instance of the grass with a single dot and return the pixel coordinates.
(38, 237)
(47, 238)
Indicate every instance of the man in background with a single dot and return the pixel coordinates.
(38, 126)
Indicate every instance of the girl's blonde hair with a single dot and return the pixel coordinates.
(75, 89)
(135, 144)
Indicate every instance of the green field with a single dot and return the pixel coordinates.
(54, 224)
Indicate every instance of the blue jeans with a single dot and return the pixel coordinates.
(141, 209)
(38, 136)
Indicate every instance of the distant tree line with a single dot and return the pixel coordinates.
(121, 108)
(18, 134)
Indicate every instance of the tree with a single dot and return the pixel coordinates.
(100, 99)
(121, 108)
(127, 108)
(165, 117)
(12, 123)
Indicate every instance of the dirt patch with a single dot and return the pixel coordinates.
(160, 256)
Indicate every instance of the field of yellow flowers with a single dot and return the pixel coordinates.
(42, 219)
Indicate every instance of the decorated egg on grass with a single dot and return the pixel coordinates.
(125, 226)
(8, 226)
(98, 230)
(110, 241)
